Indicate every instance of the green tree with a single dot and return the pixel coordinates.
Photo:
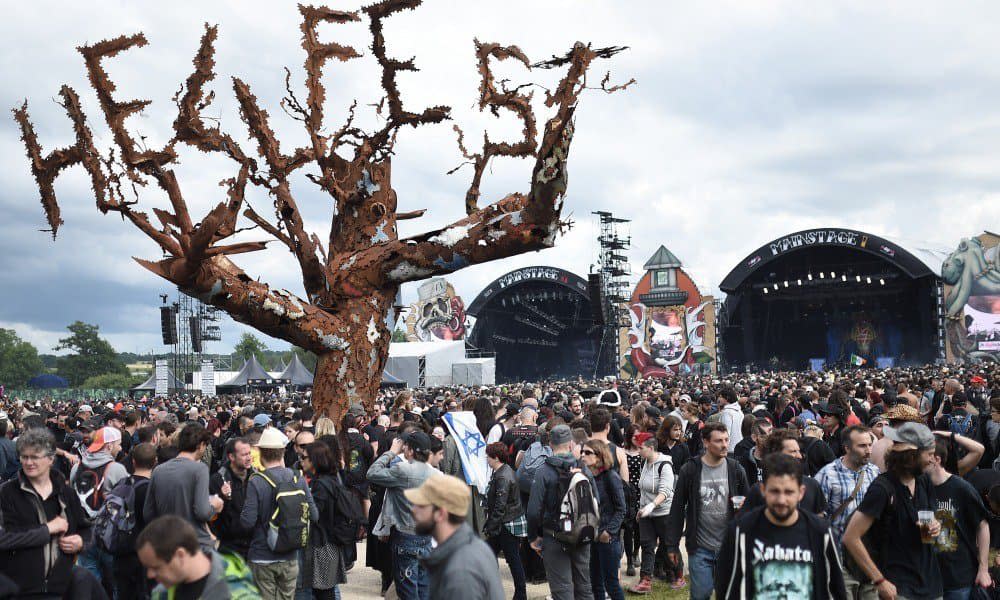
(112, 381)
(398, 335)
(19, 360)
(92, 355)
(250, 345)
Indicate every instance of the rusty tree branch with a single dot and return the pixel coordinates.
(519, 104)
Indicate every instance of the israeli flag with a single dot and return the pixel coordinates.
(471, 448)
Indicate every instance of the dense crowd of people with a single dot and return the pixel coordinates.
(850, 484)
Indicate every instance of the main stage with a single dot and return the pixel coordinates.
(832, 296)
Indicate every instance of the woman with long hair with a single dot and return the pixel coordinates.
(633, 440)
(606, 550)
(692, 415)
(505, 524)
(325, 561)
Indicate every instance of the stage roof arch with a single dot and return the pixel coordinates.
(526, 275)
(922, 261)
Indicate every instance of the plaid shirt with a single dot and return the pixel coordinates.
(518, 527)
(837, 483)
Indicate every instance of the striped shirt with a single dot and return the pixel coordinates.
(837, 483)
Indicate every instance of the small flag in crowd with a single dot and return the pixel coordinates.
(857, 361)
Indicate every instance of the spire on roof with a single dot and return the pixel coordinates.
(662, 259)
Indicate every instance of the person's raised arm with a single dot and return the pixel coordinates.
(973, 450)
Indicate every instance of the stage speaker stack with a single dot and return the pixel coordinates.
(596, 298)
(195, 334)
(168, 326)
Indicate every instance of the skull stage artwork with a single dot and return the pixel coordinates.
(437, 315)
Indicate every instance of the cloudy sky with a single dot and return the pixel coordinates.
(750, 120)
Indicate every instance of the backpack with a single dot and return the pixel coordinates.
(579, 515)
(115, 525)
(960, 425)
(534, 457)
(88, 483)
(349, 515)
(357, 464)
(288, 526)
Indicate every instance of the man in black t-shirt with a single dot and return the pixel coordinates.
(778, 550)
(895, 560)
(964, 543)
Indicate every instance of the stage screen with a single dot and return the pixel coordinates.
(982, 316)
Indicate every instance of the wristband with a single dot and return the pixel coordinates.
(879, 581)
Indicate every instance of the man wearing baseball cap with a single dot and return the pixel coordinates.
(462, 565)
(402, 467)
(898, 509)
(92, 479)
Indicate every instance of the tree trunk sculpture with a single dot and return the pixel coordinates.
(351, 280)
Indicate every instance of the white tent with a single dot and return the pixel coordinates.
(425, 364)
(475, 371)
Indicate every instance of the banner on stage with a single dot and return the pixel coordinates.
(471, 448)
(207, 378)
(816, 364)
(161, 379)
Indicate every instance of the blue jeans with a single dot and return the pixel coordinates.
(411, 580)
(510, 546)
(604, 562)
(960, 594)
(100, 563)
(701, 562)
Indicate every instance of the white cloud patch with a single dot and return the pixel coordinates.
(749, 121)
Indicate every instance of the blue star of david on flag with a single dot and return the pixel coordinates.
(473, 441)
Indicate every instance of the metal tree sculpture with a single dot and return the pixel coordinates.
(350, 283)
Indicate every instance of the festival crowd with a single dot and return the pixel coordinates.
(844, 484)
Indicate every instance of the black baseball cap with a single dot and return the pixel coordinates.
(418, 440)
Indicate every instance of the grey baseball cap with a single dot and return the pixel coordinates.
(561, 434)
(916, 435)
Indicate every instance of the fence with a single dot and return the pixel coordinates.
(66, 394)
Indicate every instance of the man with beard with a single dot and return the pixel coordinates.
(844, 483)
(778, 550)
(462, 565)
(893, 556)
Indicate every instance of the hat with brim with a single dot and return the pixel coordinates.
(903, 412)
(272, 438)
(910, 436)
(443, 491)
(825, 408)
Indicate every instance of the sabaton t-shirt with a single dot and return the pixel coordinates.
(781, 561)
(714, 498)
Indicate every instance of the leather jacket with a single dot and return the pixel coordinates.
(503, 501)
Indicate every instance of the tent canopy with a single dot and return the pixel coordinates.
(297, 373)
(47, 381)
(251, 370)
(150, 384)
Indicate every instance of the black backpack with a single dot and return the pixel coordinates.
(288, 526)
(88, 483)
(348, 513)
(115, 525)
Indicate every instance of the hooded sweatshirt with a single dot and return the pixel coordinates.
(106, 467)
(463, 566)
(657, 478)
(741, 550)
